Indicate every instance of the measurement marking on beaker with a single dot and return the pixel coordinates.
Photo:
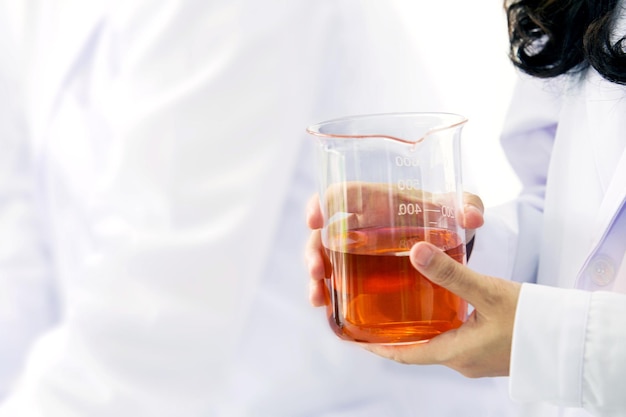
(408, 208)
(409, 184)
(406, 161)
(447, 212)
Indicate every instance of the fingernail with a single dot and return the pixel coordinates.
(423, 254)
(471, 207)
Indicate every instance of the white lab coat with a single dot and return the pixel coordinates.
(566, 138)
(152, 212)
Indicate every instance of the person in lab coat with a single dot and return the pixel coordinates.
(557, 326)
(153, 172)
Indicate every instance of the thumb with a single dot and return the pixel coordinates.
(442, 270)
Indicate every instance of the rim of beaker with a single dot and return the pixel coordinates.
(315, 128)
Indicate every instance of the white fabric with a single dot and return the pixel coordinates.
(569, 355)
(153, 199)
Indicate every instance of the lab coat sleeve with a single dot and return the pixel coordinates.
(568, 349)
(507, 245)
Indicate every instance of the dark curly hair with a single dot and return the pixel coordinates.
(552, 37)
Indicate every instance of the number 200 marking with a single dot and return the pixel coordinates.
(447, 212)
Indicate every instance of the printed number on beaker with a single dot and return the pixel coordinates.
(408, 184)
(408, 208)
(405, 161)
(447, 212)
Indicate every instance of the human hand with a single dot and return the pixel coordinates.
(482, 345)
(365, 210)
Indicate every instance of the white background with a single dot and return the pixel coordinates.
(467, 41)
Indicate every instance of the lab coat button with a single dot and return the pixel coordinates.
(601, 270)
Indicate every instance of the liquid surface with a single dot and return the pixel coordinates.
(376, 294)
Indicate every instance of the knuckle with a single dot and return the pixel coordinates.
(447, 273)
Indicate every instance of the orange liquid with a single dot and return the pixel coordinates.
(378, 297)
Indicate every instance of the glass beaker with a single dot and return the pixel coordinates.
(387, 181)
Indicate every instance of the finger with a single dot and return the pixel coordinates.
(473, 200)
(314, 217)
(471, 220)
(472, 217)
(434, 351)
(473, 210)
(434, 264)
(318, 293)
(315, 258)
(319, 268)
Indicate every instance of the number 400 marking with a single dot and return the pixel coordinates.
(408, 208)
